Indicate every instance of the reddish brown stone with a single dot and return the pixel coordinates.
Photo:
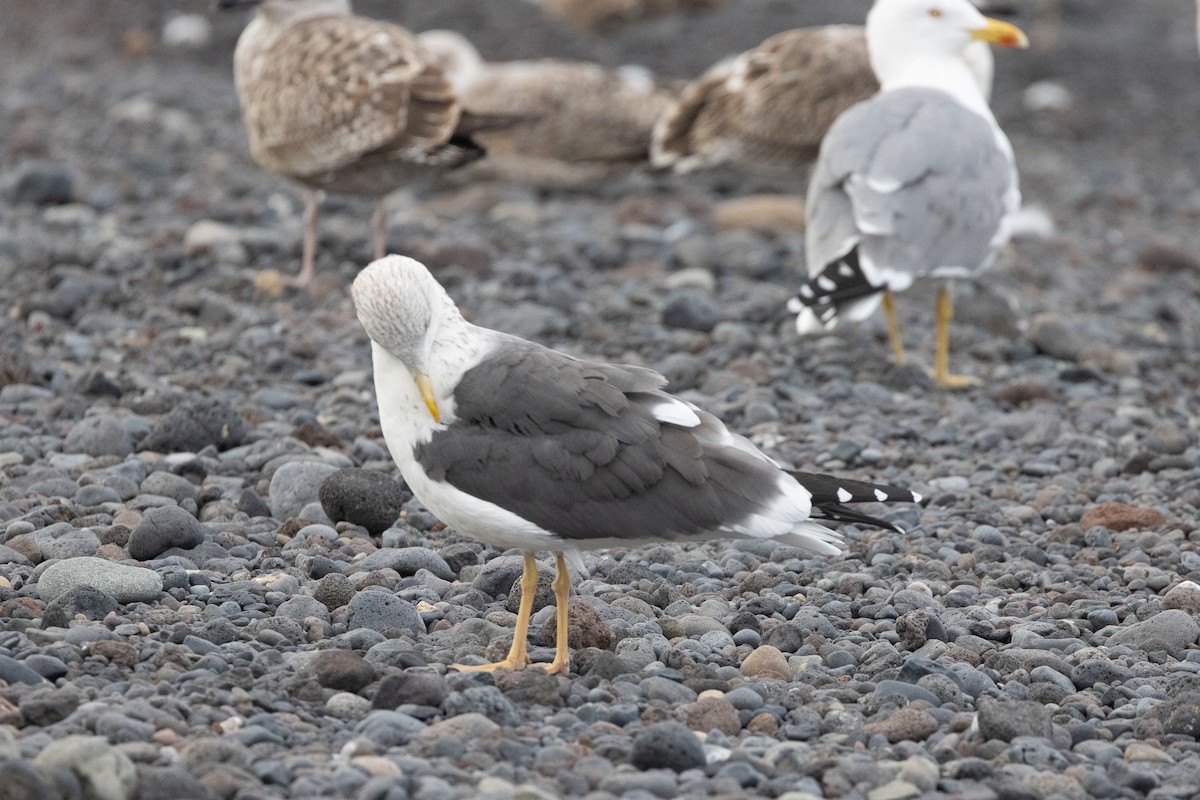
(120, 653)
(708, 713)
(1121, 517)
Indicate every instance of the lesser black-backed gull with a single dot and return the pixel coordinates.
(342, 103)
(521, 446)
(917, 181)
(552, 121)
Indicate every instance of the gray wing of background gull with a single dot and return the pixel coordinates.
(908, 183)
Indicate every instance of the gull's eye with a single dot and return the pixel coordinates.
(935, 12)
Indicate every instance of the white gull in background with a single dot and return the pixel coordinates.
(917, 181)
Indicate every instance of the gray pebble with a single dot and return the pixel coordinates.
(667, 745)
(89, 601)
(407, 560)
(296, 484)
(162, 528)
(195, 424)
(125, 584)
(364, 497)
(104, 771)
(1171, 630)
(380, 610)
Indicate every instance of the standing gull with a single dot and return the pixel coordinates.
(549, 119)
(521, 446)
(919, 180)
(342, 103)
(770, 107)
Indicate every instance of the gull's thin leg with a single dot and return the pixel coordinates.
(311, 213)
(941, 353)
(379, 226)
(893, 327)
(517, 655)
(272, 281)
(561, 664)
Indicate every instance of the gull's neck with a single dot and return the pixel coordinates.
(952, 76)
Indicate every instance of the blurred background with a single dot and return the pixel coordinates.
(135, 99)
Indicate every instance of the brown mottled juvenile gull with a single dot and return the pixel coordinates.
(343, 103)
(917, 181)
(546, 118)
(521, 446)
(603, 16)
(769, 107)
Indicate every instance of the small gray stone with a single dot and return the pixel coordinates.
(23, 782)
(1007, 719)
(89, 601)
(364, 497)
(162, 528)
(692, 309)
(407, 560)
(125, 584)
(104, 771)
(486, 700)
(342, 670)
(94, 494)
(195, 424)
(418, 688)
(667, 745)
(168, 484)
(41, 183)
(334, 591)
(379, 610)
(1171, 630)
(13, 671)
(302, 606)
(169, 783)
(498, 575)
(390, 728)
(296, 484)
(63, 541)
(50, 705)
(99, 435)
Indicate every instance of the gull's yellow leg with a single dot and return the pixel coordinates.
(517, 655)
(893, 327)
(561, 664)
(941, 353)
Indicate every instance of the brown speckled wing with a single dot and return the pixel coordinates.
(772, 105)
(324, 93)
(566, 111)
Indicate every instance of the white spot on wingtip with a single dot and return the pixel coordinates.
(826, 283)
(675, 412)
(917, 497)
(881, 495)
(844, 496)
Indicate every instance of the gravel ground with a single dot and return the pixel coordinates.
(180, 617)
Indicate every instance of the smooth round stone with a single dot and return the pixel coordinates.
(124, 583)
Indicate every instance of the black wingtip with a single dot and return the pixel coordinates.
(830, 494)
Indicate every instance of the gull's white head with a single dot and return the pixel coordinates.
(400, 304)
(402, 308)
(901, 33)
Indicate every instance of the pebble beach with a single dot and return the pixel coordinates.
(213, 585)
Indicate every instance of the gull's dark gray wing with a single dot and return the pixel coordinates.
(582, 449)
